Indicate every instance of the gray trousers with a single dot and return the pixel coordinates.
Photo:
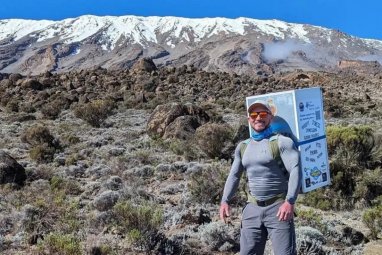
(260, 222)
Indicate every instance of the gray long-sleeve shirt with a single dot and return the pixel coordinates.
(265, 178)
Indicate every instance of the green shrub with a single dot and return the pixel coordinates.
(310, 218)
(318, 199)
(95, 112)
(69, 187)
(350, 149)
(184, 148)
(72, 159)
(377, 150)
(207, 185)
(373, 220)
(214, 139)
(52, 109)
(60, 244)
(42, 153)
(143, 156)
(38, 135)
(43, 143)
(70, 139)
(369, 186)
(46, 210)
(140, 222)
(350, 145)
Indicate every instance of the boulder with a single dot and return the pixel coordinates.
(32, 84)
(164, 115)
(199, 113)
(10, 170)
(144, 65)
(15, 77)
(182, 127)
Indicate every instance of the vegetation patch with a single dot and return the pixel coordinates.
(141, 223)
(95, 112)
(373, 220)
(60, 244)
(43, 144)
(214, 139)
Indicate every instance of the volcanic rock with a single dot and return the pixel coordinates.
(10, 170)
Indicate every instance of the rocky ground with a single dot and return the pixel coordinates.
(128, 181)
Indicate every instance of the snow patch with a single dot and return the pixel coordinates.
(76, 51)
(17, 28)
(107, 30)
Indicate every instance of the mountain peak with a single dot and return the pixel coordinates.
(233, 45)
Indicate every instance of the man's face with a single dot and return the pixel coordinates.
(260, 122)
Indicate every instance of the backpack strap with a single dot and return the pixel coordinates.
(275, 149)
(243, 146)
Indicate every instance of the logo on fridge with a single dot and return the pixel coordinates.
(301, 106)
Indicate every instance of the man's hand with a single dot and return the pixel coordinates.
(224, 211)
(285, 212)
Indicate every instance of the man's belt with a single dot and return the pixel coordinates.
(262, 203)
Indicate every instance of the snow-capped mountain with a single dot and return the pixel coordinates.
(239, 45)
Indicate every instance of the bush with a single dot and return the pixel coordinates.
(140, 222)
(184, 148)
(310, 218)
(69, 187)
(369, 187)
(350, 145)
(309, 241)
(43, 143)
(52, 110)
(45, 210)
(42, 153)
(12, 106)
(373, 220)
(38, 135)
(68, 139)
(216, 234)
(43, 172)
(95, 112)
(318, 200)
(207, 185)
(56, 243)
(215, 140)
(350, 149)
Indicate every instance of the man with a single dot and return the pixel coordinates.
(272, 190)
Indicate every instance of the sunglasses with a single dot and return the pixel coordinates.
(262, 114)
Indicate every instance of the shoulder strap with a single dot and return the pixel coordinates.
(276, 153)
(274, 143)
(243, 146)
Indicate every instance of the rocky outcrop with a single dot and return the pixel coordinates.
(360, 66)
(164, 120)
(144, 65)
(10, 170)
(182, 127)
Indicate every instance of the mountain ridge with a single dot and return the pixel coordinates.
(233, 45)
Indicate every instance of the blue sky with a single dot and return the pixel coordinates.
(362, 18)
